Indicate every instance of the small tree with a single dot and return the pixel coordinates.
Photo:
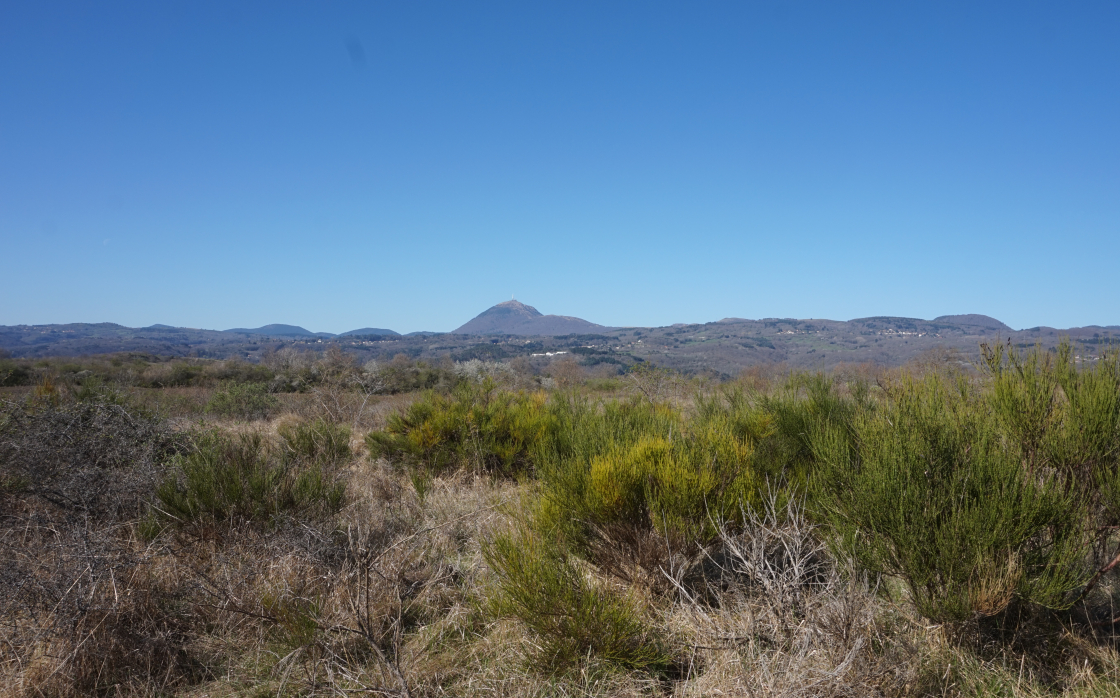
(567, 373)
(654, 383)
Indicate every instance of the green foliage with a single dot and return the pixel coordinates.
(796, 408)
(614, 475)
(12, 373)
(224, 476)
(244, 401)
(182, 374)
(604, 385)
(319, 440)
(296, 620)
(94, 389)
(421, 483)
(482, 352)
(1089, 431)
(235, 371)
(1023, 396)
(476, 426)
(926, 489)
(572, 618)
(1062, 416)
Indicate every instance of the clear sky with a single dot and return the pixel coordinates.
(408, 164)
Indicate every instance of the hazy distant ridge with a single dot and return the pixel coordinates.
(277, 330)
(513, 329)
(974, 320)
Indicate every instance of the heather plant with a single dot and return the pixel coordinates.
(95, 458)
(78, 615)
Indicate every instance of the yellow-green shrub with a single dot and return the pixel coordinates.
(476, 426)
(614, 475)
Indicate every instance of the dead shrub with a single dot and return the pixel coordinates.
(790, 620)
(84, 613)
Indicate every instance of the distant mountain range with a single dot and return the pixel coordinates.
(297, 331)
(512, 329)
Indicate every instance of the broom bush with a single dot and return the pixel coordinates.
(476, 426)
(926, 488)
(572, 618)
(225, 477)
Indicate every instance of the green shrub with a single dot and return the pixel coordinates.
(925, 488)
(236, 371)
(12, 373)
(182, 374)
(94, 389)
(796, 408)
(245, 401)
(319, 440)
(476, 426)
(677, 488)
(631, 484)
(604, 385)
(1089, 414)
(572, 618)
(1060, 415)
(224, 477)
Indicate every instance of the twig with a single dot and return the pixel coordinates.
(1097, 578)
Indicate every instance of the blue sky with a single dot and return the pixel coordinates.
(407, 165)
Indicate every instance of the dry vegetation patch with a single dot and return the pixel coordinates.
(779, 535)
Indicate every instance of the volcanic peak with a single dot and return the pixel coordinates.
(514, 317)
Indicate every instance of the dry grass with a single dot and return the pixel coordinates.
(787, 620)
(392, 596)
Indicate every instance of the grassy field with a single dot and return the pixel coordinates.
(316, 527)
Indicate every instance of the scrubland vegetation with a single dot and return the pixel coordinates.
(310, 526)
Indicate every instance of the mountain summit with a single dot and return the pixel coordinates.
(514, 317)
